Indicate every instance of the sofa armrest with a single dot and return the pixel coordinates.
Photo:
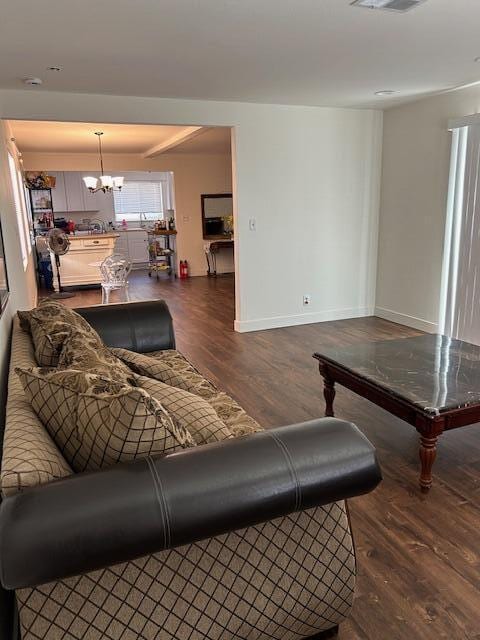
(137, 326)
(94, 520)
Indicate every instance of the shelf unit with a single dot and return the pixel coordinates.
(161, 256)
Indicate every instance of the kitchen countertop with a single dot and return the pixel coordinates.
(93, 235)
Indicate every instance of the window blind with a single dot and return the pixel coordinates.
(137, 198)
(20, 210)
(460, 292)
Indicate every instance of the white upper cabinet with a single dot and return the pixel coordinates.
(100, 202)
(75, 191)
(70, 195)
(59, 199)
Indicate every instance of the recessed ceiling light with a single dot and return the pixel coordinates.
(391, 5)
(385, 92)
(54, 68)
(32, 81)
(477, 59)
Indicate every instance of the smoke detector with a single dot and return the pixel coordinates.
(32, 81)
(390, 5)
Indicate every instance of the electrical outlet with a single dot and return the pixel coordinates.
(307, 298)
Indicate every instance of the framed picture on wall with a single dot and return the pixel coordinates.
(3, 276)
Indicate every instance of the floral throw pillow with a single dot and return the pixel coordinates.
(49, 324)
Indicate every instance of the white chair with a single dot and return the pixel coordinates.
(115, 270)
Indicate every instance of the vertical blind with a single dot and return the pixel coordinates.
(20, 209)
(139, 197)
(460, 299)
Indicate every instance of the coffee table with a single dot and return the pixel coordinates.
(430, 381)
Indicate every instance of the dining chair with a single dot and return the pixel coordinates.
(115, 270)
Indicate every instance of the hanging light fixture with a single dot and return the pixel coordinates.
(107, 183)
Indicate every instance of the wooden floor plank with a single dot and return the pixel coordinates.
(418, 556)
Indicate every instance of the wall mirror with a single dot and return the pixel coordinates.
(217, 215)
(3, 276)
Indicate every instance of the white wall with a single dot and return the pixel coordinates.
(309, 176)
(416, 160)
(193, 175)
(22, 283)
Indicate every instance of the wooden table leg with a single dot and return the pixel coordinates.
(428, 453)
(328, 392)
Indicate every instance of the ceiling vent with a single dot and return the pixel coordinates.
(390, 5)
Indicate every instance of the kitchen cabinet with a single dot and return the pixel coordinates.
(70, 195)
(80, 265)
(121, 246)
(59, 198)
(134, 244)
(101, 203)
(138, 246)
(74, 190)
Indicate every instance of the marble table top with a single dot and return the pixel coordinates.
(433, 372)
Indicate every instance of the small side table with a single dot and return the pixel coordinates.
(211, 251)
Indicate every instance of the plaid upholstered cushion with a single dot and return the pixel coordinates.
(97, 422)
(286, 579)
(49, 324)
(171, 367)
(30, 456)
(189, 411)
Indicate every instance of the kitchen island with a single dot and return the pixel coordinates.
(77, 266)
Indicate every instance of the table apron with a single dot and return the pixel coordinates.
(424, 423)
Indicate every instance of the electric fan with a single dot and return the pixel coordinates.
(59, 244)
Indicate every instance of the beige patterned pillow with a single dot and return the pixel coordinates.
(49, 325)
(97, 422)
(82, 352)
(171, 367)
(236, 419)
(187, 410)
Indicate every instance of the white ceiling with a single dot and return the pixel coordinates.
(311, 52)
(79, 137)
(216, 140)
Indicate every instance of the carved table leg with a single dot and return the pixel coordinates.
(428, 453)
(328, 392)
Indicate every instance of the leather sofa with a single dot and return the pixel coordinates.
(245, 538)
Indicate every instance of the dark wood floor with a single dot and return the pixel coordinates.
(418, 556)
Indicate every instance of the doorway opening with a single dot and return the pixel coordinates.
(144, 192)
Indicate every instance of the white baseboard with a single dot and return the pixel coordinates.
(276, 322)
(403, 318)
(194, 274)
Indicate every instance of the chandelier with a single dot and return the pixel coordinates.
(105, 183)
